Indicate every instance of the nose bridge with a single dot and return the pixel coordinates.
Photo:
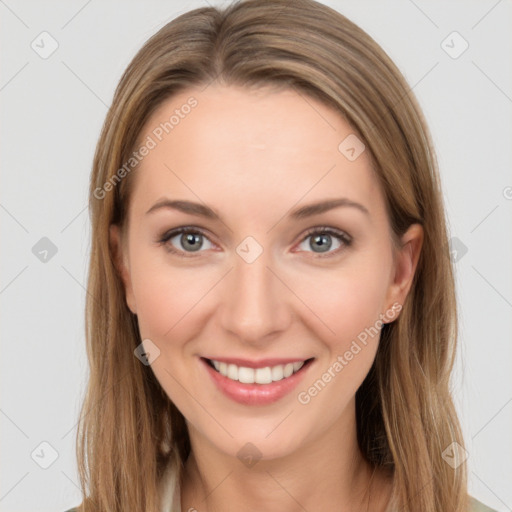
(255, 305)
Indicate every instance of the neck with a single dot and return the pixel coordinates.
(322, 474)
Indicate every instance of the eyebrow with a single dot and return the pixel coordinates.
(309, 210)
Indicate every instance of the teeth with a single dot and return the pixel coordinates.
(245, 375)
(257, 375)
(233, 371)
(288, 370)
(277, 372)
(263, 375)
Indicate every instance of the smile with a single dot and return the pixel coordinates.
(256, 383)
(264, 375)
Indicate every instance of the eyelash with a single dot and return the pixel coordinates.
(340, 235)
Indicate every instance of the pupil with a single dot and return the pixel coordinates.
(192, 239)
(324, 242)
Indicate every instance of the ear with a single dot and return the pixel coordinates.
(122, 266)
(406, 261)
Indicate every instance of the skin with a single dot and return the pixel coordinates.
(252, 156)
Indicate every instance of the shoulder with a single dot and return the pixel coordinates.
(477, 506)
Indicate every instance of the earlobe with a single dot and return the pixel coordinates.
(122, 269)
(407, 257)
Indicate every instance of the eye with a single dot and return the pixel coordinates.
(322, 240)
(185, 240)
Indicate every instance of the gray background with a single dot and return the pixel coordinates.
(52, 112)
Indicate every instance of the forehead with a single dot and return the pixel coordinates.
(250, 145)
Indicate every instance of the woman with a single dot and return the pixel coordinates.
(271, 317)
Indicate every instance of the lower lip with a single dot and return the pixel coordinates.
(256, 394)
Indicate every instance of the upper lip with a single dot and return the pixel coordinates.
(260, 363)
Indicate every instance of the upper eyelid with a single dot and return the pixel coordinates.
(171, 233)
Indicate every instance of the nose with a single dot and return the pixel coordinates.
(256, 304)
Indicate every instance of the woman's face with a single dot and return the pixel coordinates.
(288, 259)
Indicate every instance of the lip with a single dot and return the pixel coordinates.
(256, 394)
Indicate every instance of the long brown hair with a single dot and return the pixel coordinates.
(129, 431)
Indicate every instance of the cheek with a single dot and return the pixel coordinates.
(168, 298)
(346, 300)
(165, 294)
(350, 303)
